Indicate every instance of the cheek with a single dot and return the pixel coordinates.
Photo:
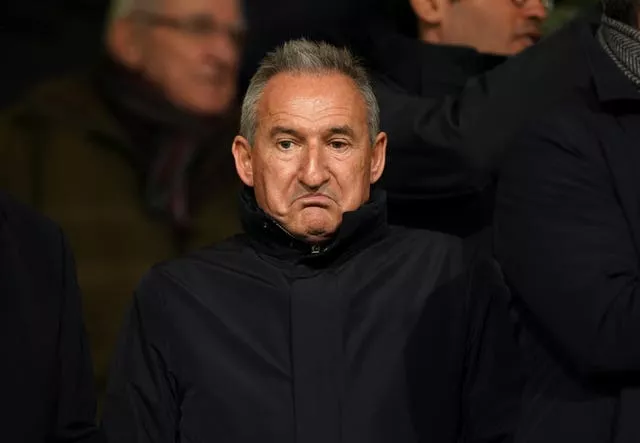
(274, 181)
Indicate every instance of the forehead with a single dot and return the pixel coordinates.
(225, 10)
(311, 99)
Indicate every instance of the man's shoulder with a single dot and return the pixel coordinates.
(439, 248)
(457, 251)
(26, 224)
(31, 241)
(67, 98)
(574, 125)
(205, 269)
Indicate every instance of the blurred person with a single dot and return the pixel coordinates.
(503, 27)
(46, 379)
(321, 323)
(132, 159)
(567, 230)
(440, 47)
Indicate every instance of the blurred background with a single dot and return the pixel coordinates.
(44, 38)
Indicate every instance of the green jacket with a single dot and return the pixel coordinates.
(61, 152)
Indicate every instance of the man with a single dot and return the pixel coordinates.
(488, 26)
(446, 43)
(131, 159)
(321, 323)
(46, 380)
(567, 233)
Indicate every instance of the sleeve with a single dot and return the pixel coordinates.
(76, 408)
(493, 377)
(141, 404)
(451, 148)
(566, 247)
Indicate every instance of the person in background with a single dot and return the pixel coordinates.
(567, 232)
(321, 323)
(442, 45)
(46, 379)
(131, 158)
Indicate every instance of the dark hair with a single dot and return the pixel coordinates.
(625, 11)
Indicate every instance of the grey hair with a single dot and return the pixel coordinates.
(625, 11)
(122, 8)
(306, 57)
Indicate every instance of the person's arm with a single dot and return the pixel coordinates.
(493, 376)
(566, 247)
(447, 148)
(76, 406)
(142, 404)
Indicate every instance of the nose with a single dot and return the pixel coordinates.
(537, 10)
(313, 172)
(225, 45)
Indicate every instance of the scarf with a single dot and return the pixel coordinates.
(622, 43)
(170, 147)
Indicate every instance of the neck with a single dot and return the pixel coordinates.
(430, 34)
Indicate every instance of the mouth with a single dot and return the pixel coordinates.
(532, 37)
(315, 200)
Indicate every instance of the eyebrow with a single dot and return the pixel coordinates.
(341, 130)
(284, 130)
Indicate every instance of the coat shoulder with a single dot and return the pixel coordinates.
(26, 224)
(202, 268)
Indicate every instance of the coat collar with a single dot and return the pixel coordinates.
(358, 229)
(610, 84)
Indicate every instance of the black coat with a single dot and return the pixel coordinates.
(445, 151)
(568, 235)
(46, 384)
(409, 73)
(384, 335)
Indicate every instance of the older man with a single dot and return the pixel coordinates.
(321, 323)
(131, 159)
(568, 235)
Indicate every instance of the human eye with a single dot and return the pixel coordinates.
(199, 25)
(285, 145)
(338, 145)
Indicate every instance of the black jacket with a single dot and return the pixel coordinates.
(46, 384)
(445, 151)
(568, 235)
(408, 73)
(384, 335)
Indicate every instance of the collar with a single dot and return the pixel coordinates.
(359, 228)
(423, 68)
(611, 85)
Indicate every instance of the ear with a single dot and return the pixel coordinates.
(429, 12)
(242, 154)
(123, 41)
(378, 157)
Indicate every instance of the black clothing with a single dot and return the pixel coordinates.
(381, 335)
(568, 235)
(409, 72)
(46, 381)
(444, 152)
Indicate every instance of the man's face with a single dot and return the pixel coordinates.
(191, 48)
(503, 27)
(312, 158)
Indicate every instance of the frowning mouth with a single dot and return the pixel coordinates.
(317, 200)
